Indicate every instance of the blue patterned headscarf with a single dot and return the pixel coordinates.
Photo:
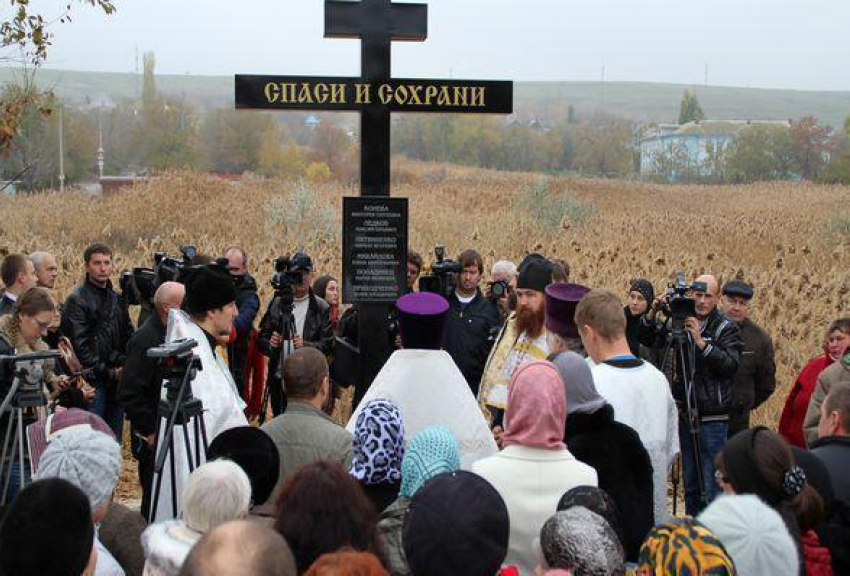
(433, 451)
(378, 446)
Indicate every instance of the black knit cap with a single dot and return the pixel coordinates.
(643, 287)
(456, 524)
(534, 274)
(255, 452)
(208, 287)
(50, 511)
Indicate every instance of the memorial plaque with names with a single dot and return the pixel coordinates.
(374, 246)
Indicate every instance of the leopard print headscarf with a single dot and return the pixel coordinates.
(378, 447)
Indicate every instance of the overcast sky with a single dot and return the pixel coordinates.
(799, 44)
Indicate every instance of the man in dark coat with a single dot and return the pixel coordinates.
(312, 327)
(755, 379)
(833, 444)
(248, 304)
(613, 449)
(18, 275)
(472, 322)
(98, 325)
(140, 387)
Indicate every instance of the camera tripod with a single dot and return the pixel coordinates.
(180, 408)
(684, 370)
(286, 329)
(22, 395)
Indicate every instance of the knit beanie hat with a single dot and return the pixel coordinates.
(88, 459)
(208, 287)
(535, 274)
(433, 451)
(47, 530)
(644, 288)
(753, 533)
(255, 452)
(42, 432)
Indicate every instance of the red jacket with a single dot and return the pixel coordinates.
(791, 422)
(816, 556)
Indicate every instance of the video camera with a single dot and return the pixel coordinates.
(680, 305)
(289, 272)
(140, 285)
(28, 371)
(441, 279)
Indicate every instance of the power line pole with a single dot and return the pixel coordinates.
(61, 153)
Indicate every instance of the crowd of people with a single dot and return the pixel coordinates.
(525, 425)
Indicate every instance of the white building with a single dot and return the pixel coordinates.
(695, 148)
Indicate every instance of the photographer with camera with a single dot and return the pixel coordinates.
(140, 387)
(248, 305)
(98, 325)
(502, 287)
(296, 317)
(472, 321)
(708, 354)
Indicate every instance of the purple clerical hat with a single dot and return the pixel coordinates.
(561, 302)
(422, 320)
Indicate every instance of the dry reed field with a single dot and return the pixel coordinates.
(773, 235)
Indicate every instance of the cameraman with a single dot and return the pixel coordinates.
(313, 328)
(140, 387)
(714, 346)
(472, 321)
(98, 325)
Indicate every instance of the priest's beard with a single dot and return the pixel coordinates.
(530, 321)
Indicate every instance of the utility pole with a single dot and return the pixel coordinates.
(100, 145)
(61, 154)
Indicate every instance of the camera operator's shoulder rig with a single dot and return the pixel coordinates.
(440, 278)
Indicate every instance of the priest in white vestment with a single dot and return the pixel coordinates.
(207, 316)
(425, 384)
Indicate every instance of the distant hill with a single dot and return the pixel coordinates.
(548, 101)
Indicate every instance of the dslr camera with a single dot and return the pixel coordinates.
(498, 289)
(680, 304)
(442, 278)
(139, 286)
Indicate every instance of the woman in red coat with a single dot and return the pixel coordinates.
(791, 423)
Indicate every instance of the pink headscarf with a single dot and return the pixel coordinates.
(537, 407)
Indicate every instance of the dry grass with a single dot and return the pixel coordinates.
(773, 235)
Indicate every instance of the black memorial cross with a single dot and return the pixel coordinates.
(375, 95)
(377, 23)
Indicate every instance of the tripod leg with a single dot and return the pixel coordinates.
(21, 449)
(8, 444)
(156, 482)
(189, 459)
(173, 478)
(203, 427)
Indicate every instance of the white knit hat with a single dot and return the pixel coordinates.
(754, 535)
(87, 459)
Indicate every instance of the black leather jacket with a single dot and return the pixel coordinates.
(317, 332)
(470, 332)
(98, 325)
(714, 366)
